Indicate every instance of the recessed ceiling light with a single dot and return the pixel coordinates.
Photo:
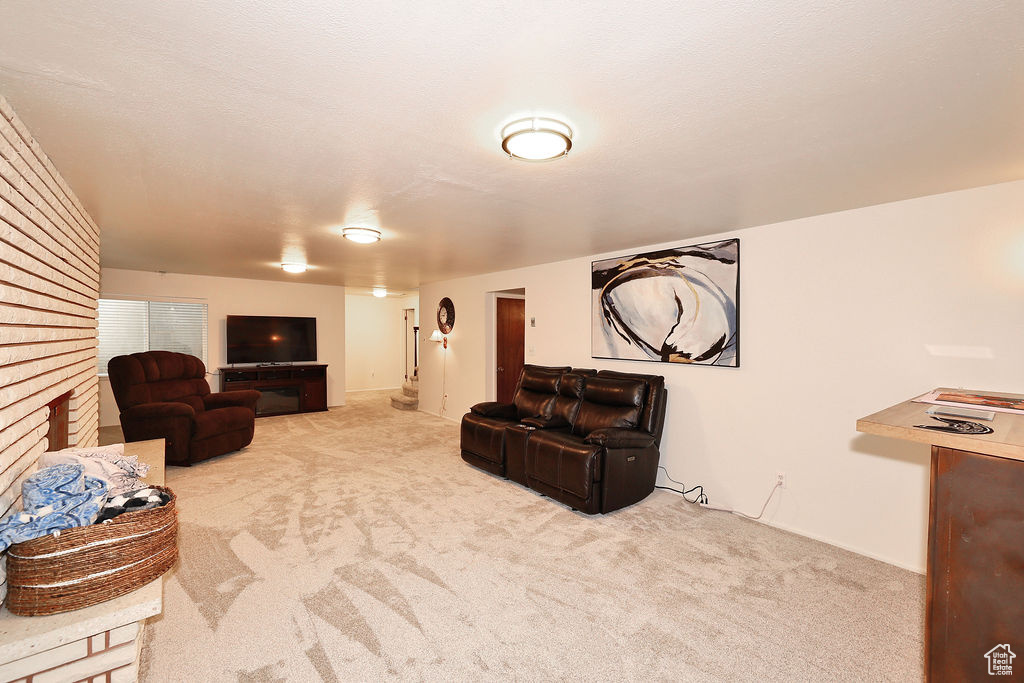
(380, 292)
(293, 267)
(361, 235)
(536, 139)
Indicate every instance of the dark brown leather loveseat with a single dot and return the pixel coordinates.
(589, 440)
(165, 395)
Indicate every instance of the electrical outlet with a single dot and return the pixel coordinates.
(781, 479)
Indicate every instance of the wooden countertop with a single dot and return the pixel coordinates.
(1005, 441)
(23, 636)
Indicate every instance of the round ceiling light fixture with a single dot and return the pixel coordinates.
(361, 235)
(380, 292)
(294, 267)
(536, 139)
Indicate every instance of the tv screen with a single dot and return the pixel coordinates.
(270, 339)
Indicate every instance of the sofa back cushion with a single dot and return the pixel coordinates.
(570, 394)
(652, 417)
(157, 376)
(538, 388)
(610, 402)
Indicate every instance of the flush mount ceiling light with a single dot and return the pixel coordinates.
(361, 235)
(536, 139)
(380, 292)
(293, 267)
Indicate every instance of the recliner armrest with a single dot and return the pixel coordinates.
(541, 422)
(494, 409)
(150, 411)
(614, 437)
(230, 399)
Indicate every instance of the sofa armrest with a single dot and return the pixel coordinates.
(540, 422)
(230, 399)
(614, 437)
(151, 411)
(494, 409)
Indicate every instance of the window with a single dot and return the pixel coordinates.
(129, 326)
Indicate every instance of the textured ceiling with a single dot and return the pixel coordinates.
(222, 137)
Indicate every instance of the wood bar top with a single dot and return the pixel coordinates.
(1005, 441)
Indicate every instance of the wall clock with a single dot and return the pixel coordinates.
(445, 315)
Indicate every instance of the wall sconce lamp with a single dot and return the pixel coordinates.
(435, 336)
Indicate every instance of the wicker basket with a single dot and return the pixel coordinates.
(88, 565)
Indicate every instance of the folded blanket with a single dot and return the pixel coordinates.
(54, 498)
(121, 472)
(143, 499)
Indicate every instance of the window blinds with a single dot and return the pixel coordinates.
(128, 326)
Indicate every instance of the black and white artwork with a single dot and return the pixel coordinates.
(674, 306)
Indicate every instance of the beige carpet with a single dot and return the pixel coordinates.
(356, 545)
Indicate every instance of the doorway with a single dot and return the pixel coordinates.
(510, 345)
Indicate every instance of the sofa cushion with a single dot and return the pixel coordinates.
(610, 402)
(484, 436)
(563, 461)
(213, 422)
(156, 376)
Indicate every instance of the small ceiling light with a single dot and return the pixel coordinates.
(293, 267)
(361, 235)
(536, 139)
(380, 292)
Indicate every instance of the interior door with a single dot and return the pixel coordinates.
(510, 351)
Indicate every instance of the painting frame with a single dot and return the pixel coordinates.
(678, 305)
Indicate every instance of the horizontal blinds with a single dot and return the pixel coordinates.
(123, 329)
(129, 326)
(179, 327)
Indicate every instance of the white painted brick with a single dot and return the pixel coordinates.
(99, 642)
(126, 674)
(90, 666)
(62, 654)
(124, 634)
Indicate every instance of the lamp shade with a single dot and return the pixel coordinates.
(435, 336)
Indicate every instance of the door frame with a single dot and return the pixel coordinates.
(491, 339)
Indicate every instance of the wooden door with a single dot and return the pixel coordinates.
(511, 334)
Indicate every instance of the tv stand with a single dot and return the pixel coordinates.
(284, 389)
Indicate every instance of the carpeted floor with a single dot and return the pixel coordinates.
(356, 545)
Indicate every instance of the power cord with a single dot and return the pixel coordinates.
(701, 498)
(764, 507)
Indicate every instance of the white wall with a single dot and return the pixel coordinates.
(374, 341)
(837, 316)
(235, 296)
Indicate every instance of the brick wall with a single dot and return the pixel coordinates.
(49, 282)
(108, 657)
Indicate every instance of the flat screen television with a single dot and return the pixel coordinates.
(270, 339)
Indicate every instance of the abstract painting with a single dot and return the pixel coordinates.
(674, 305)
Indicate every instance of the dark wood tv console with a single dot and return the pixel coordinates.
(284, 389)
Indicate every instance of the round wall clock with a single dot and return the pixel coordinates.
(445, 315)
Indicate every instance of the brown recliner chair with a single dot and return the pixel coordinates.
(165, 395)
(483, 427)
(607, 457)
(591, 442)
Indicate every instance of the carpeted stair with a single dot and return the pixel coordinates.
(409, 397)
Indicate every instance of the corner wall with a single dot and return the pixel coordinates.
(841, 315)
(236, 296)
(49, 279)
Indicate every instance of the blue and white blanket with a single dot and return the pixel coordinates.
(54, 498)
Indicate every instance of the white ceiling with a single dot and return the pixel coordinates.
(222, 137)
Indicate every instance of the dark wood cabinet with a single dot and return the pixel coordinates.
(284, 389)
